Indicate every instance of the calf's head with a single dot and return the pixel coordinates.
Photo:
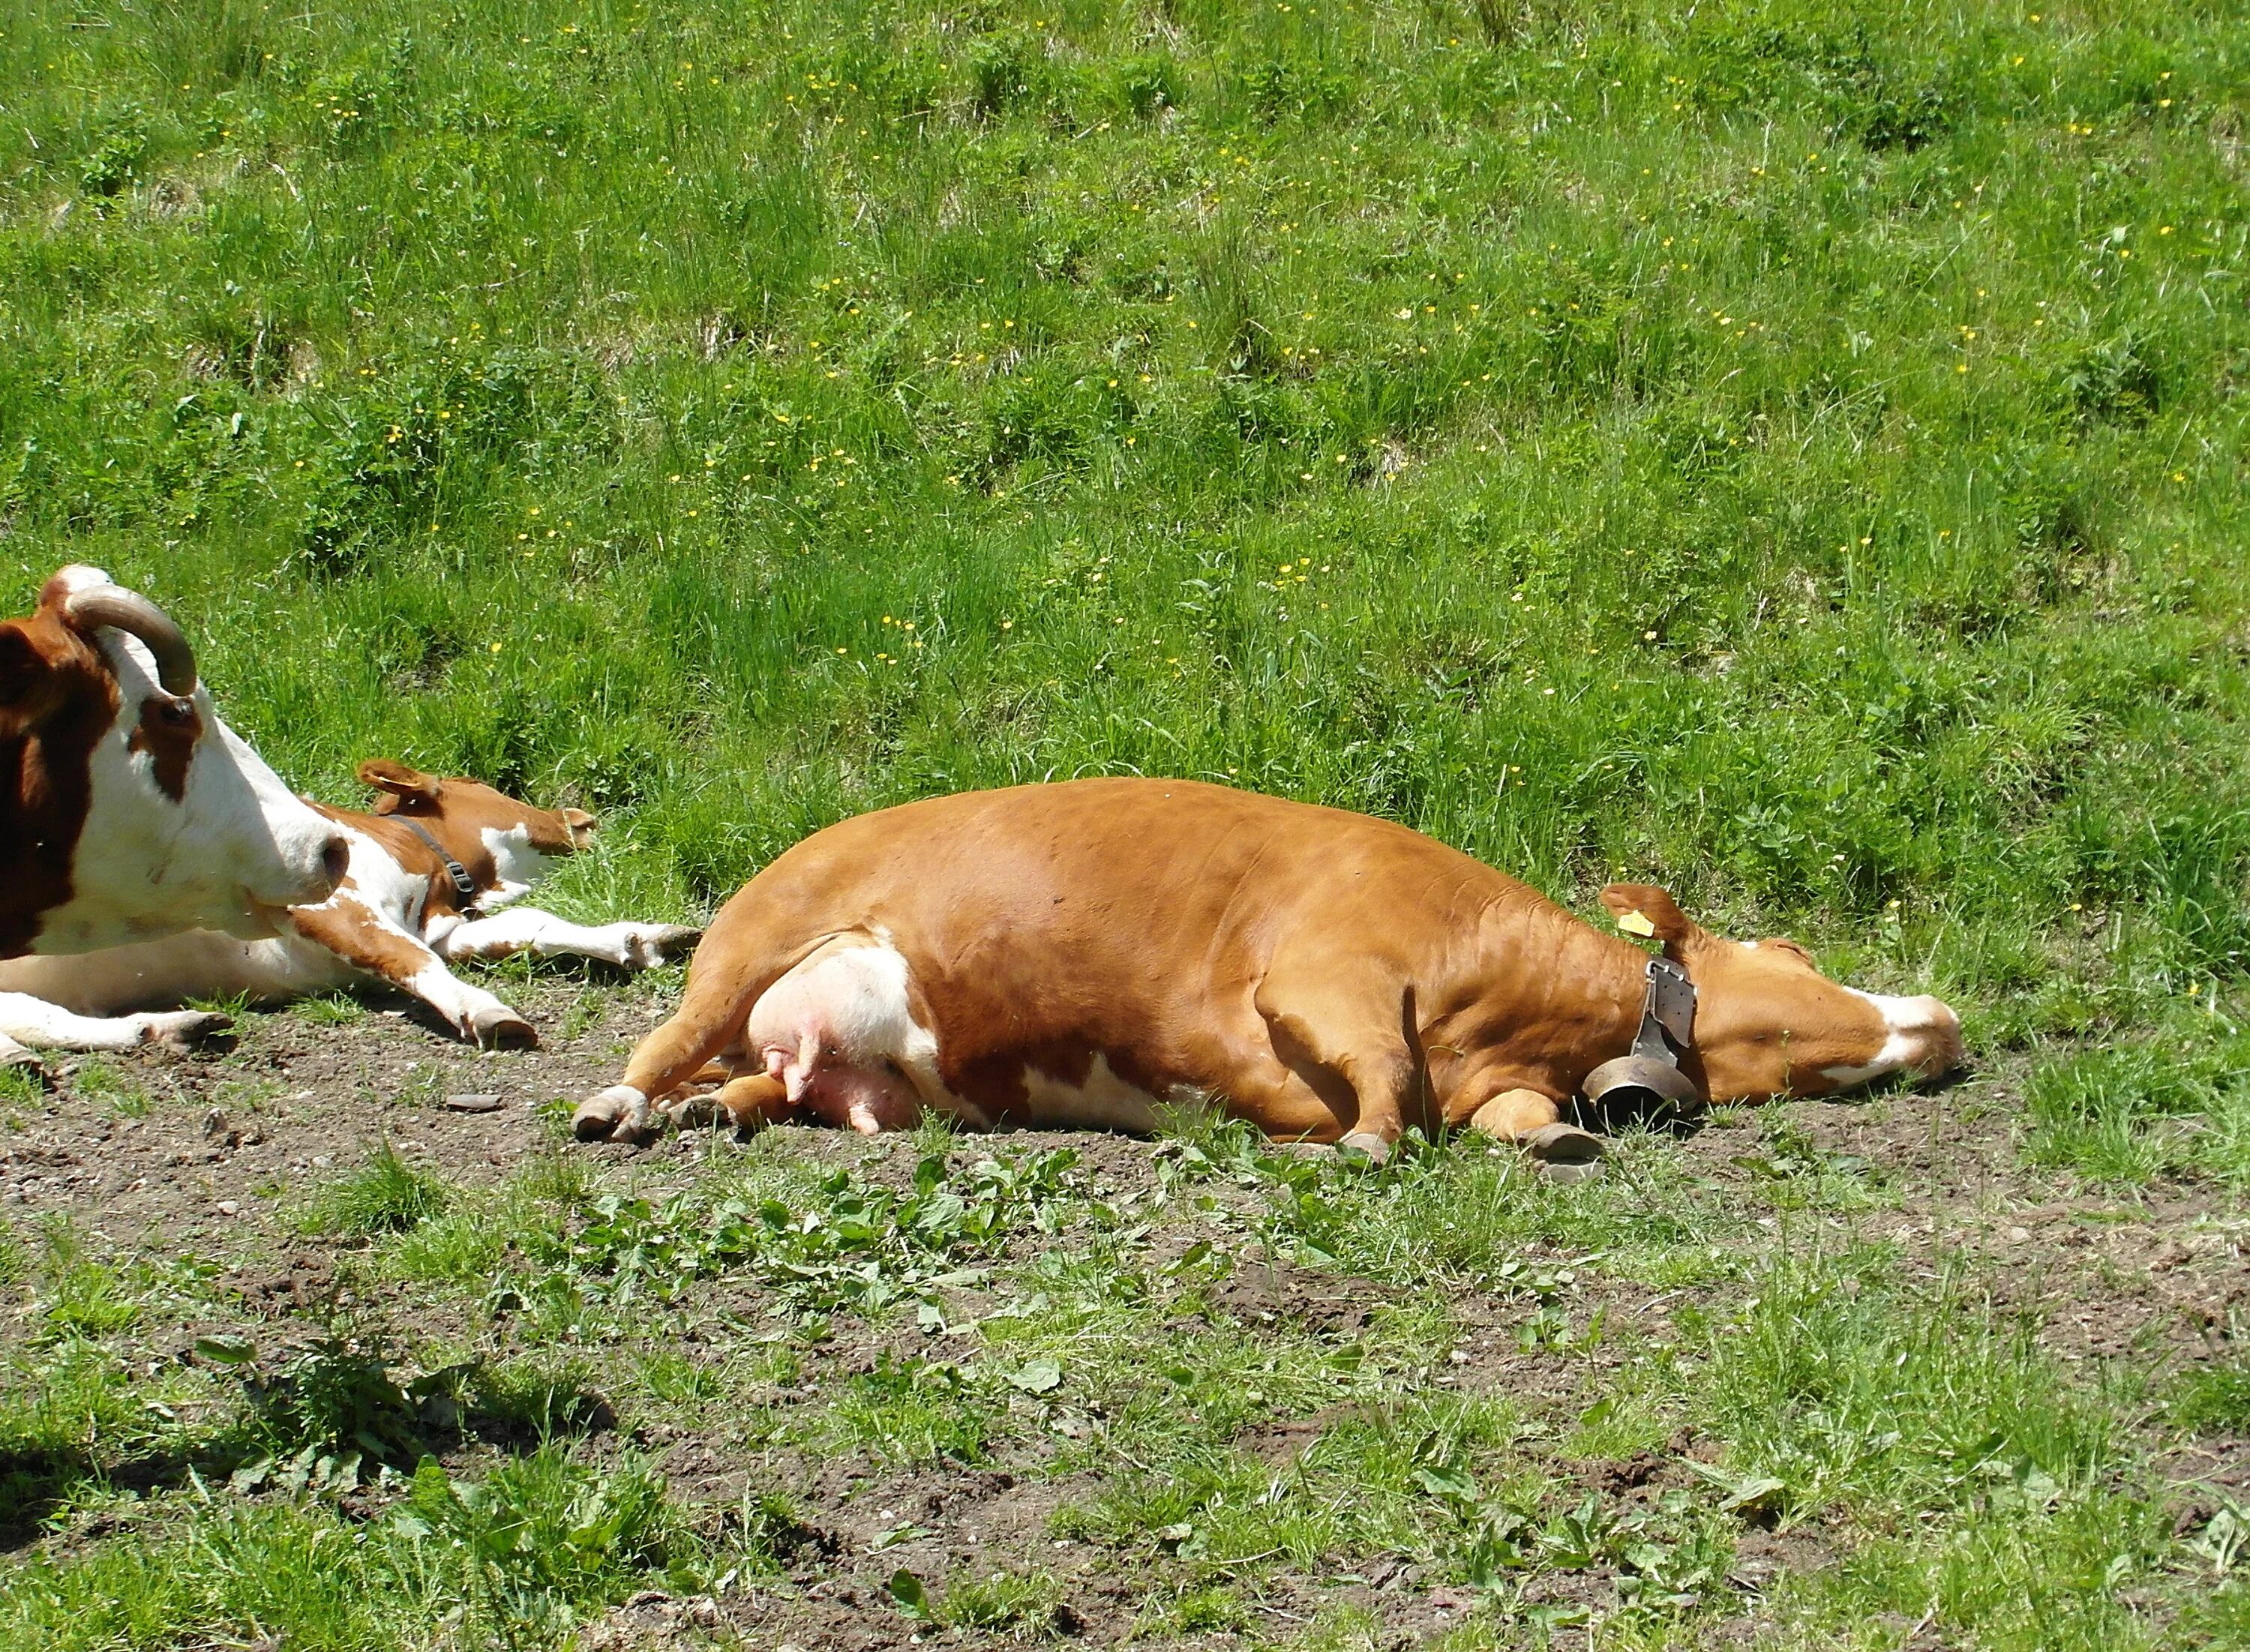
(1768, 1023)
(473, 821)
(129, 807)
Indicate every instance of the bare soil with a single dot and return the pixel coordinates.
(228, 1141)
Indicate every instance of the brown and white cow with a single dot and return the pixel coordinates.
(126, 809)
(434, 872)
(1079, 954)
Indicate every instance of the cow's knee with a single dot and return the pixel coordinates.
(1514, 1115)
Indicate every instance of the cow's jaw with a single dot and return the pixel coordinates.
(215, 843)
(515, 862)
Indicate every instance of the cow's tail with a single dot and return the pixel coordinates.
(723, 986)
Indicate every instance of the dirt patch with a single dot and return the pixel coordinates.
(212, 1156)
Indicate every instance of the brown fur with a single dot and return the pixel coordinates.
(57, 696)
(1321, 973)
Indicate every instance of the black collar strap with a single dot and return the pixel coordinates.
(464, 885)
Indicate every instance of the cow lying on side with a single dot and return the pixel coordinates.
(430, 869)
(1075, 954)
(126, 809)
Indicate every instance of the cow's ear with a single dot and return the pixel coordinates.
(21, 667)
(410, 788)
(1643, 909)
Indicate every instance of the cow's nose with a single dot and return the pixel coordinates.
(336, 861)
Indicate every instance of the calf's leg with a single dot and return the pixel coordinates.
(722, 987)
(25, 1019)
(371, 943)
(528, 929)
(1339, 1041)
(1533, 1121)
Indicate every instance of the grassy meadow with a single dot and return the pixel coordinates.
(1790, 453)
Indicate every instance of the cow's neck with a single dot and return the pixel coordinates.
(45, 787)
(1555, 996)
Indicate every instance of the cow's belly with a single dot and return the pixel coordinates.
(155, 975)
(840, 1032)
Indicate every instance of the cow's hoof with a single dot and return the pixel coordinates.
(189, 1031)
(1566, 1171)
(693, 1113)
(505, 1029)
(662, 943)
(619, 1114)
(1561, 1144)
(1374, 1147)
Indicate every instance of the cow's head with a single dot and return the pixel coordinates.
(130, 809)
(473, 820)
(1768, 1023)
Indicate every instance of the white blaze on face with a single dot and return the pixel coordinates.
(235, 843)
(1921, 1033)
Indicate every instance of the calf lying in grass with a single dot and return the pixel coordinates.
(1083, 953)
(434, 870)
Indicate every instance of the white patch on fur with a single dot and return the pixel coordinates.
(235, 846)
(846, 1007)
(1103, 1102)
(1914, 1026)
(516, 863)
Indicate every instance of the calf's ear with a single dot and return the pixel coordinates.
(21, 667)
(407, 785)
(1643, 909)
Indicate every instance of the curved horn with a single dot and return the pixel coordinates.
(134, 615)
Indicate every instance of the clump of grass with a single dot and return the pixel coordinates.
(329, 1009)
(21, 1087)
(385, 1196)
(121, 1092)
(1846, 1389)
(2213, 1396)
(2135, 1111)
(911, 1410)
(1005, 1606)
(80, 1294)
(517, 1558)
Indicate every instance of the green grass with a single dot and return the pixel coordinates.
(385, 1196)
(1790, 453)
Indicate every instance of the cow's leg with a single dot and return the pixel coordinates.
(1533, 1121)
(528, 929)
(722, 987)
(370, 942)
(1324, 1035)
(25, 1019)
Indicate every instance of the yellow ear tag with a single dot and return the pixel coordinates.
(1636, 923)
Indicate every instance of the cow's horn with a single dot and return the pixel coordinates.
(134, 614)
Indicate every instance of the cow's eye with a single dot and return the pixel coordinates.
(178, 712)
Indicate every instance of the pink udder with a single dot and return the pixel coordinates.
(863, 1098)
